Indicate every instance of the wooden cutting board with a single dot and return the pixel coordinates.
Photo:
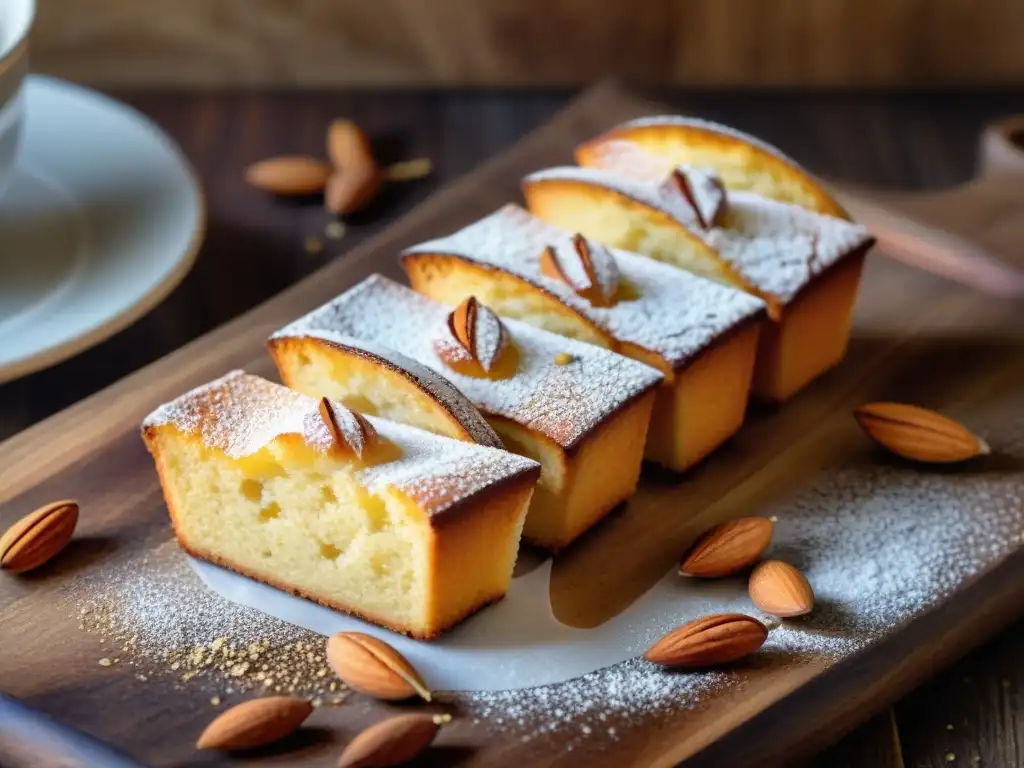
(918, 338)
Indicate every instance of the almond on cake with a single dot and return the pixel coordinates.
(581, 411)
(405, 528)
(701, 335)
(742, 161)
(806, 266)
(378, 380)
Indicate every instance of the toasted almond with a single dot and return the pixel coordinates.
(373, 667)
(255, 723)
(348, 147)
(709, 641)
(409, 170)
(351, 189)
(350, 430)
(39, 536)
(394, 741)
(918, 434)
(585, 266)
(728, 548)
(289, 175)
(479, 331)
(704, 192)
(780, 589)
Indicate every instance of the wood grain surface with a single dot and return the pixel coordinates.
(511, 43)
(256, 247)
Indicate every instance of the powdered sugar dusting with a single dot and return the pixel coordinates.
(351, 428)
(488, 336)
(564, 402)
(879, 544)
(765, 241)
(780, 248)
(675, 314)
(606, 270)
(240, 414)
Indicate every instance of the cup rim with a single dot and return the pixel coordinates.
(20, 34)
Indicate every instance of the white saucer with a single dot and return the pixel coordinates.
(102, 218)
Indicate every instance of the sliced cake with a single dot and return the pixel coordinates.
(582, 412)
(373, 379)
(402, 527)
(743, 162)
(805, 265)
(701, 335)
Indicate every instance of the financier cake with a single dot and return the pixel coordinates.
(805, 265)
(701, 335)
(402, 527)
(742, 161)
(581, 411)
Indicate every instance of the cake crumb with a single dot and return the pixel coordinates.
(215, 701)
(105, 662)
(563, 358)
(409, 170)
(950, 757)
(313, 244)
(335, 230)
(442, 719)
(949, 726)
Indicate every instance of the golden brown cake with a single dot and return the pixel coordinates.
(402, 527)
(701, 335)
(805, 265)
(377, 380)
(582, 412)
(743, 162)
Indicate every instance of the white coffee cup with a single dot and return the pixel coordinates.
(15, 22)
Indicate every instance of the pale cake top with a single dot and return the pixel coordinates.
(675, 314)
(563, 402)
(239, 414)
(776, 247)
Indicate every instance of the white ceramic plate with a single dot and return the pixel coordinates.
(102, 218)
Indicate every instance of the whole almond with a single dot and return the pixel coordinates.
(255, 723)
(289, 175)
(780, 589)
(373, 667)
(918, 434)
(37, 537)
(351, 189)
(394, 741)
(728, 548)
(348, 147)
(709, 641)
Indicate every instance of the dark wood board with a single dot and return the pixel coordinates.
(92, 452)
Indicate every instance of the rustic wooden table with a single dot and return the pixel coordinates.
(970, 715)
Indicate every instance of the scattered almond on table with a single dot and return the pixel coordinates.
(919, 434)
(349, 180)
(394, 741)
(373, 667)
(255, 723)
(709, 641)
(38, 537)
(728, 548)
(779, 589)
(289, 175)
